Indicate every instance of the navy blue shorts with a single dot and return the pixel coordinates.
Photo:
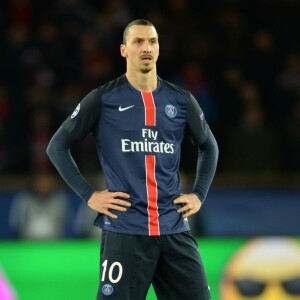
(130, 263)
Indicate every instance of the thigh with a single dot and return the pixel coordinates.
(127, 265)
(180, 273)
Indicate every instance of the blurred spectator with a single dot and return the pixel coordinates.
(230, 31)
(289, 78)
(261, 67)
(16, 47)
(288, 85)
(96, 60)
(231, 80)
(69, 96)
(41, 212)
(195, 221)
(4, 115)
(20, 13)
(40, 134)
(251, 144)
(121, 14)
(292, 146)
(85, 216)
(194, 78)
(83, 223)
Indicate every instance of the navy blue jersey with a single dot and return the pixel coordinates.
(138, 137)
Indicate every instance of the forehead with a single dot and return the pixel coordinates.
(140, 31)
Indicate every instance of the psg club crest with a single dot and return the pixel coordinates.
(107, 289)
(171, 111)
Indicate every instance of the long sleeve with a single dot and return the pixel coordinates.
(59, 153)
(206, 166)
(208, 151)
(72, 131)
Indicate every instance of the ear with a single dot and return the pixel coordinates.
(123, 50)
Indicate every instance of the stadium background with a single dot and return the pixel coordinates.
(240, 58)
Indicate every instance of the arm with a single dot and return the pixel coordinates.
(73, 130)
(204, 140)
(59, 152)
(206, 166)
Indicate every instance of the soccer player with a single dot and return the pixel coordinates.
(139, 121)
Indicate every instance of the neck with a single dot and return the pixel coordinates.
(144, 82)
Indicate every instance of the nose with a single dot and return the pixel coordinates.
(147, 47)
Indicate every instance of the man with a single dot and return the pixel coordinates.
(139, 121)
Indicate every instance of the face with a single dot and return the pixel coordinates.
(141, 49)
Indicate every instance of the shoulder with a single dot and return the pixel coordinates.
(94, 97)
(175, 88)
(111, 85)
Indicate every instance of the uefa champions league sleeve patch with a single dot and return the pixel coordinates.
(107, 289)
(171, 111)
(202, 116)
(76, 111)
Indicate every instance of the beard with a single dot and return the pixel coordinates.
(146, 68)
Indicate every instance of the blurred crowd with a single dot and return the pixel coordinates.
(240, 59)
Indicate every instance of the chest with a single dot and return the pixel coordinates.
(149, 115)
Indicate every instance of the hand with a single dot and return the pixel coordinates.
(105, 200)
(191, 204)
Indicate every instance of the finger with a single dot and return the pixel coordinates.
(108, 213)
(189, 213)
(120, 195)
(121, 202)
(183, 209)
(116, 207)
(180, 200)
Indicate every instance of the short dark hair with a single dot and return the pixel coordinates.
(141, 22)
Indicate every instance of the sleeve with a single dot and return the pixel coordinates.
(82, 121)
(208, 151)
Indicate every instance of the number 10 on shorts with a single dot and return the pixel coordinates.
(117, 273)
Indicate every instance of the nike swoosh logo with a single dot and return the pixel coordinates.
(125, 108)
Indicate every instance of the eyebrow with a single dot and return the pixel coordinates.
(142, 39)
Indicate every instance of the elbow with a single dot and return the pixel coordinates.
(50, 149)
(216, 148)
(54, 147)
(210, 148)
(57, 144)
(211, 144)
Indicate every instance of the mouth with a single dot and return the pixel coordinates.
(146, 59)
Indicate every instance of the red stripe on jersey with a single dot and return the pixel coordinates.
(150, 110)
(151, 184)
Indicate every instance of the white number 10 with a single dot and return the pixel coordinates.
(110, 271)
